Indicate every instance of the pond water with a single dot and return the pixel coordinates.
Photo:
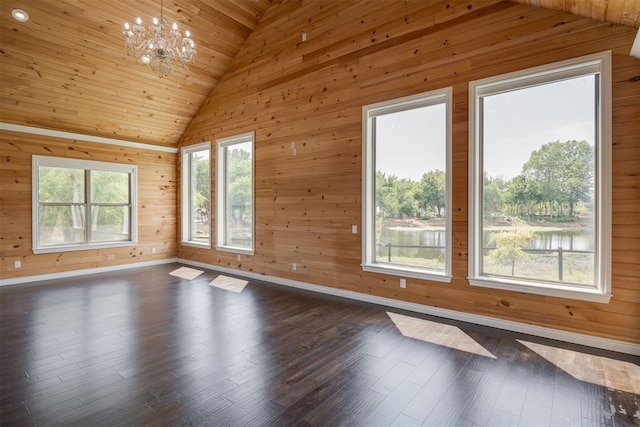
(568, 239)
(578, 239)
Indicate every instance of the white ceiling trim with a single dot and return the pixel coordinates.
(635, 49)
(86, 138)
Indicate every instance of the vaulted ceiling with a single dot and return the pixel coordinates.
(67, 69)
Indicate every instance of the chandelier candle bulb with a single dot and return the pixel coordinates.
(159, 46)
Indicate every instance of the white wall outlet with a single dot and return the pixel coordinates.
(238, 257)
(153, 250)
(354, 229)
(403, 283)
(17, 264)
(294, 266)
(304, 37)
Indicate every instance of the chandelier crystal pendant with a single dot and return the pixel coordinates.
(159, 45)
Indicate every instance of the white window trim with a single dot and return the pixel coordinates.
(368, 179)
(186, 195)
(221, 187)
(61, 162)
(596, 63)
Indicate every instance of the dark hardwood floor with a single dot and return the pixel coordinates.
(142, 347)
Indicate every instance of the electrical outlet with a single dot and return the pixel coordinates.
(17, 264)
(238, 257)
(294, 266)
(153, 250)
(304, 37)
(354, 229)
(403, 283)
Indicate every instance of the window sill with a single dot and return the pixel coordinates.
(541, 288)
(415, 273)
(235, 250)
(197, 245)
(53, 249)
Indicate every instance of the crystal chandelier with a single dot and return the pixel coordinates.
(159, 45)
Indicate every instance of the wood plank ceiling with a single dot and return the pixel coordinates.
(67, 69)
(621, 12)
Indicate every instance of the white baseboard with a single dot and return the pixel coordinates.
(556, 334)
(73, 273)
(509, 325)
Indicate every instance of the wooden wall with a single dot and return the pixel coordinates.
(361, 52)
(156, 205)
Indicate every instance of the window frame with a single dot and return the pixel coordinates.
(87, 166)
(221, 192)
(600, 64)
(434, 97)
(186, 200)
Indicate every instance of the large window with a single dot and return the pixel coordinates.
(407, 186)
(234, 223)
(196, 195)
(540, 180)
(79, 204)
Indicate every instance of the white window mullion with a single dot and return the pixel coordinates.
(235, 225)
(88, 215)
(61, 192)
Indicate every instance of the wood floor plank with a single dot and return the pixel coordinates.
(142, 347)
(625, 407)
(433, 391)
(450, 408)
(513, 394)
(500, 418)
(540, 393)
(534, 415)
(480, 406)
(389, 410)
(405, 421)
(566, 409)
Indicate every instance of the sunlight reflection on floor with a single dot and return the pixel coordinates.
(437, 333)
(229, 284)
(616, 374)
(186, 273)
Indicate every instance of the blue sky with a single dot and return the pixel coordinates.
(420, 132)
(516, 123)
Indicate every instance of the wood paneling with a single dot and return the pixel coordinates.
(312, 93)
(67, 69)
(623, 12)
(156, 205)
